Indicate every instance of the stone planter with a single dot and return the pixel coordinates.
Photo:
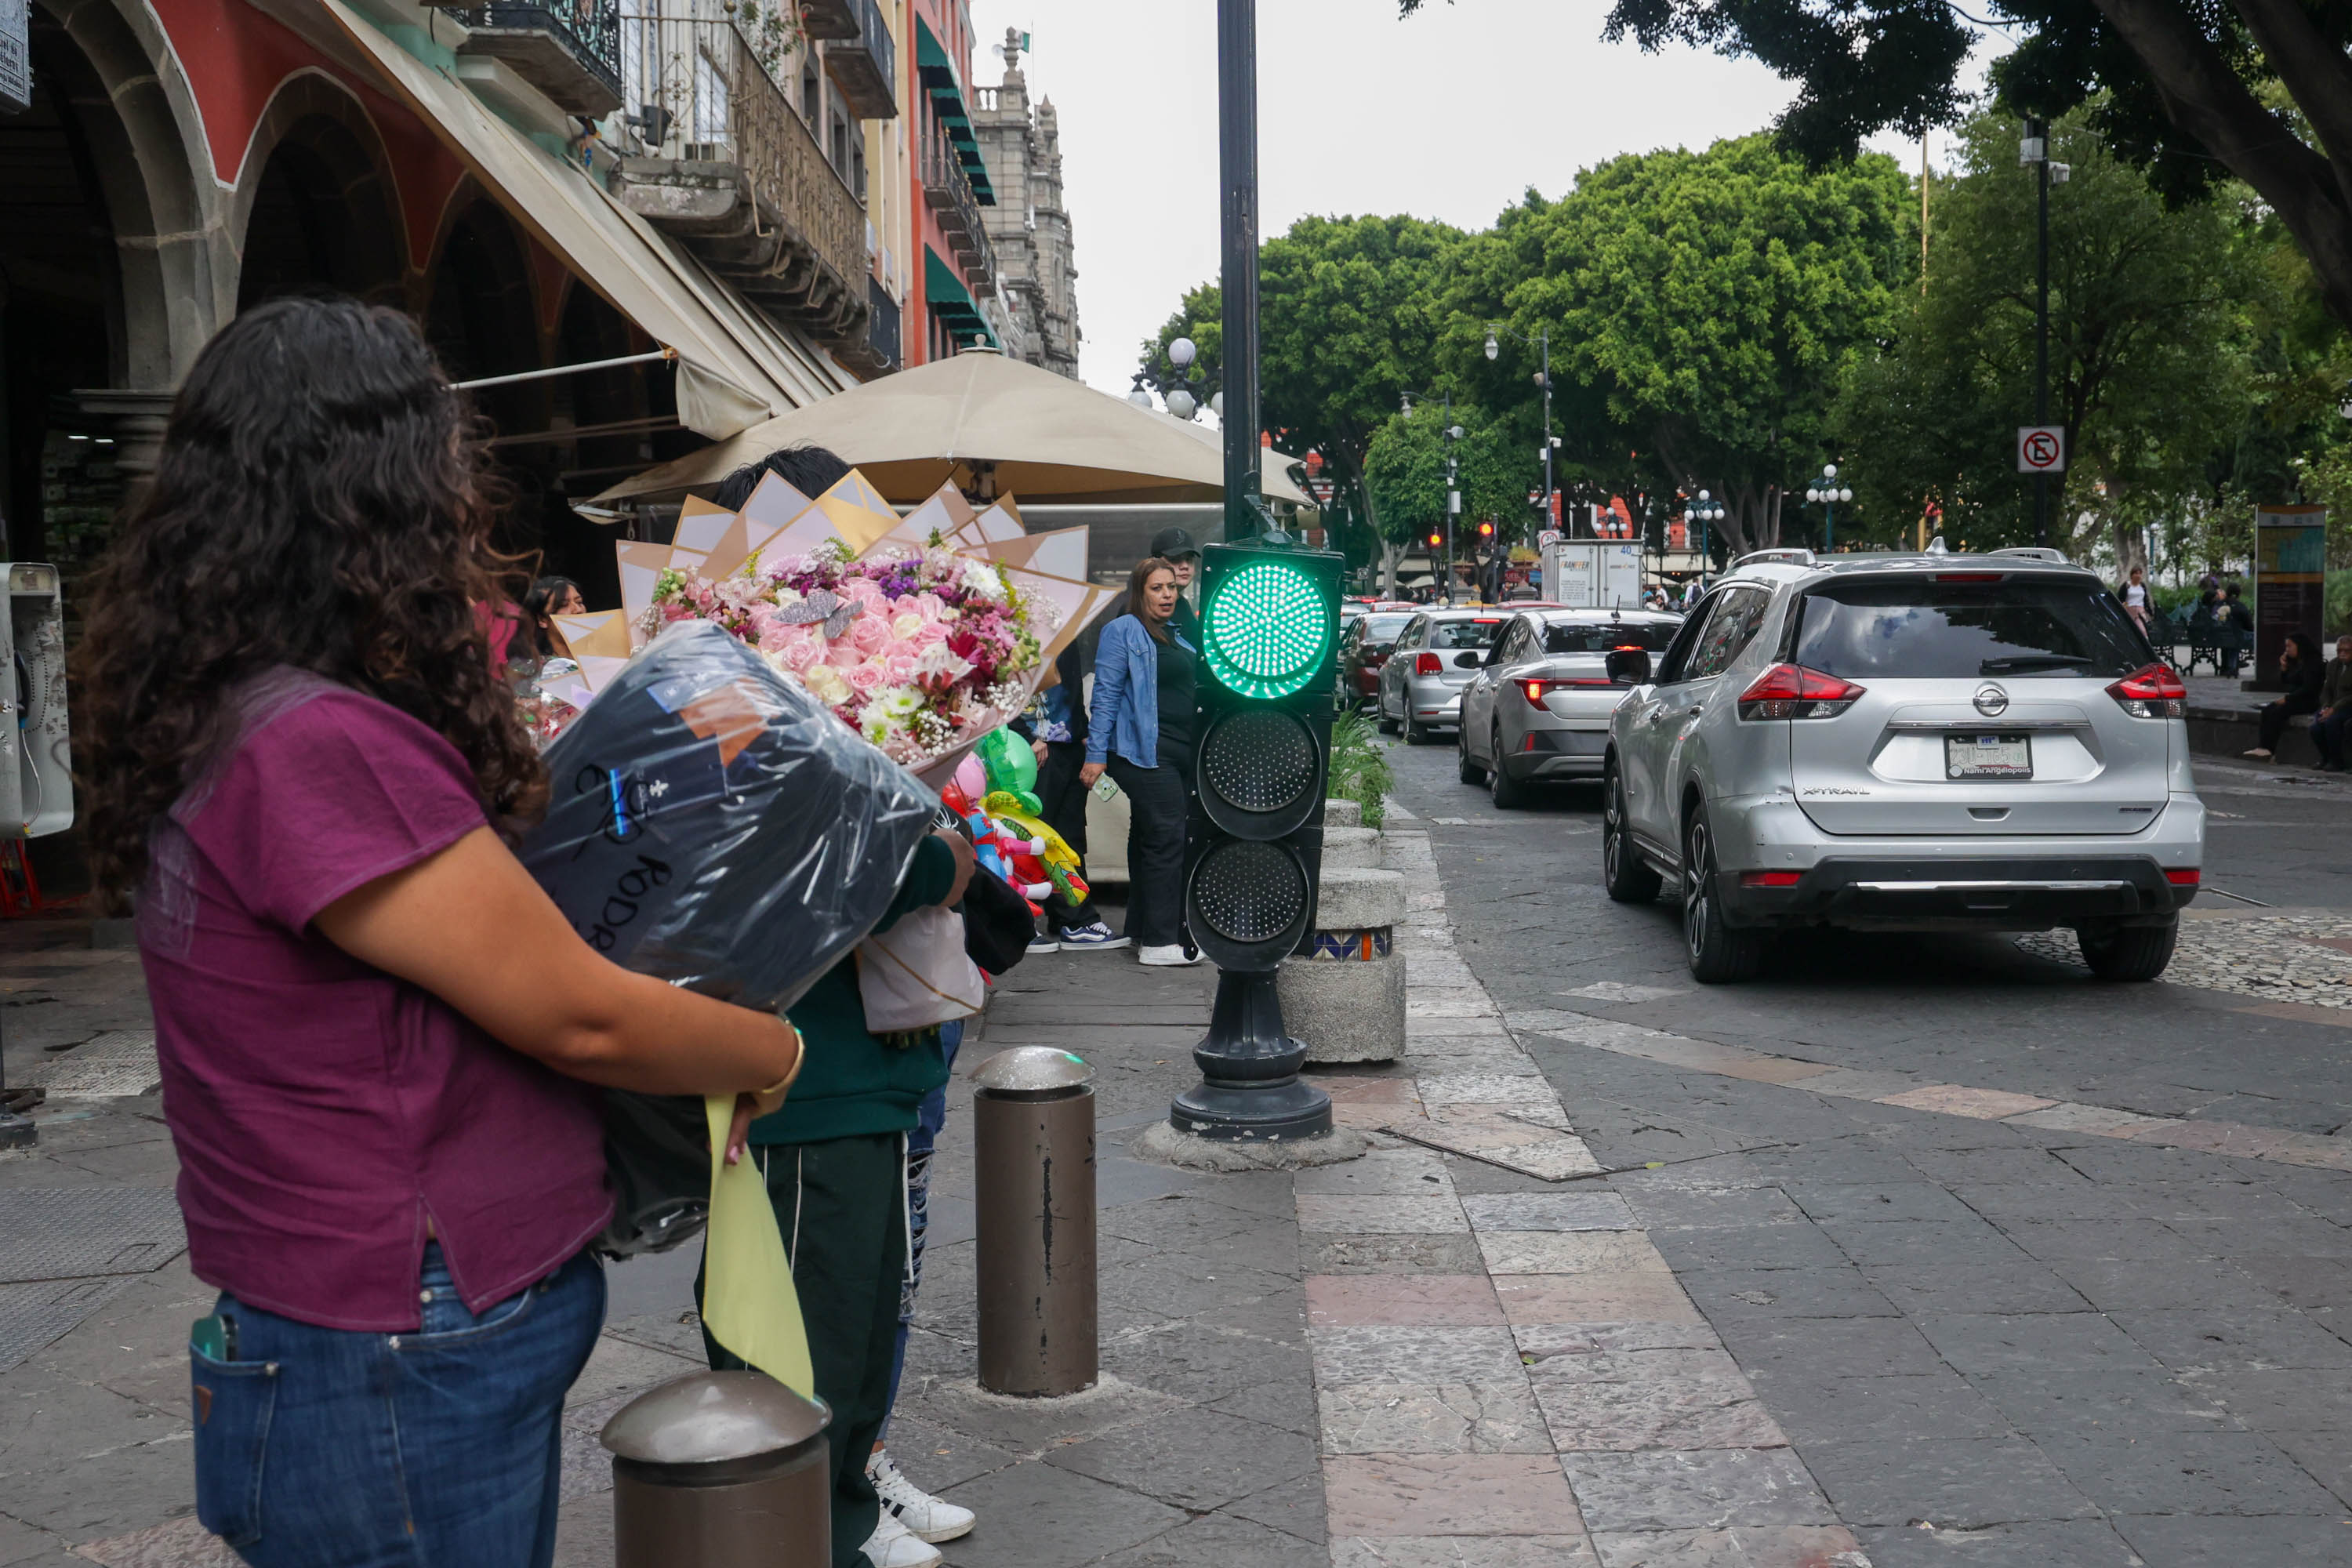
(1346, 1001)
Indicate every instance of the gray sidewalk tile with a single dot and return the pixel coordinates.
(1979, 1343)
(2021, 1286)
(1226, 1541)
(1548, 1211)
(2187, 1541)
(1884, 1409)
(1708, 1490)
(1459, 1494)
(2140, 1285)
(1379, 1214)
(1780, 1546)
(2038, 1402)
(1657, 1411)
(1952, 1482)
(1923, 1242)
(1295, 1506)
(1382, 1354)
(1754, 1294)
(1879, 1202)
(1195, 1460)
(1037, 1515)
(2186, 1473)
(1462, 1552)
(1499, 1416)
(2036, 1544)
(2227, 1339)
(1569, 1252)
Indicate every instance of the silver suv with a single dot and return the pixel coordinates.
(1906, 743)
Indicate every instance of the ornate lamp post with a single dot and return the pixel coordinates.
(1453, 480)
(1542, 339)
(1708, 510)
(1182, 390)
(1829, 493)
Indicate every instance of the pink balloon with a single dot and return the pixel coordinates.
(971, 778)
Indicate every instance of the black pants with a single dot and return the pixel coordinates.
(1155, 847)
(1066, 814)
(2275, 715)
(2328, 733)
(840, 1205)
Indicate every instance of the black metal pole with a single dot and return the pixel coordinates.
(1453, 487)
(1237, 177)
(2042, 330)
(1543, 340)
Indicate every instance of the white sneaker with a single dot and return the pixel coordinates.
(917, 1511)
(893, 1545)
(1094, 938)
(1169, 957)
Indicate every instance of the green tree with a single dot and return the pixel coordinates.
(1704, 308)
(1404, 471)
(2149, 332)
(1349, 314)
(2189, 90)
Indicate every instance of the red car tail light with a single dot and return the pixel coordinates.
(2151, 692)
(1427, 664)
(1770, 879)
(1536, 690)
(1793, 691)
(1967, 576)
(2183, 876)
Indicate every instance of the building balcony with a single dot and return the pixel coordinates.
(731, 168)
(949, 190)
(568, 49)
(862, 61)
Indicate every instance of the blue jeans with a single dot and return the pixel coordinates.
(930, 1119)
(331, 1449)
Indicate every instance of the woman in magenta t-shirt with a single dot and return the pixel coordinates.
(377, 1034)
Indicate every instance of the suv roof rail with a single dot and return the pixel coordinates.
(1786, 552)
(2032, 553)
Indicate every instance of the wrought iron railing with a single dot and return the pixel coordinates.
(949, 189)
(882, 323)
(717, 85)
(590, 30)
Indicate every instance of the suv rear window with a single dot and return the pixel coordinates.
(1383, 627)
(1602, 636)
(1464, 634)
(1918, 628)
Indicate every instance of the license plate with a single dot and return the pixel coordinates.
(1987, 757)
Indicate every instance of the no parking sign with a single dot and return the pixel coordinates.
(2041, 448)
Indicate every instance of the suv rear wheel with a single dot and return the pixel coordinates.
(1414, 733)
(2127, 953)
(1381, 711)
(1718, 953)
(1626, 877)
(1469, 773)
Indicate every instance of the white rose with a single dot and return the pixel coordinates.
(824, 684)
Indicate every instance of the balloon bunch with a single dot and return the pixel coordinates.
(994, 793)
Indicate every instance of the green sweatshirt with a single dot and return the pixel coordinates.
(852, 1083)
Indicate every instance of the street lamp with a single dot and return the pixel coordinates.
(1829, 493)
(1495, 331)
(1708, 510)
(1452, 433)
(1182, 391)
(2033, 153)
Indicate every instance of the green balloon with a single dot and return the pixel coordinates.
(1012, 767)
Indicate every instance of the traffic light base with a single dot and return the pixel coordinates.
(1249, 1087)
(1162, 1143)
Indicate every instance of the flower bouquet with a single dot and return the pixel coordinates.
(921, 633)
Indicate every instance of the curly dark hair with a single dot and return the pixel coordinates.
(321, 503)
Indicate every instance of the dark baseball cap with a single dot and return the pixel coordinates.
(1171, 542)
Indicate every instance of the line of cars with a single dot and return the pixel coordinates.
(1914, 742)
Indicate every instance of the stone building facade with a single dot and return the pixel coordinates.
(1029, 226)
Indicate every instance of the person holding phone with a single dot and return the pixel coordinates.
(1140, 730)
(378, 1035)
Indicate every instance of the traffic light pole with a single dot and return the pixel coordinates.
(1237, 177)
(2040, 334)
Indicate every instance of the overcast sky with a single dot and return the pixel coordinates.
(1451, 115)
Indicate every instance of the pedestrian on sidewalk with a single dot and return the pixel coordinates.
(1141, 730)
(2134, 594)
(1175, 546)
(373, 1023)
(1059, 734)
(2234, 625)
(837, 1159)
(2335, 715)
(2300, 669)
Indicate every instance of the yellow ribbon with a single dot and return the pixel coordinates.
(749, 1302)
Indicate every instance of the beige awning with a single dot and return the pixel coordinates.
(734, 369)
(1047, 439)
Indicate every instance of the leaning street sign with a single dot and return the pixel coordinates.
(2041, 448)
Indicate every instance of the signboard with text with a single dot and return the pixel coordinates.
(15, 57)
(2290, 584)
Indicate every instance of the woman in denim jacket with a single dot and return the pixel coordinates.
(1141, 728)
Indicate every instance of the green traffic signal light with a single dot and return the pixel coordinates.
(1266, 628)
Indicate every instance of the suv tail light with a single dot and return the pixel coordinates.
(2184, 876)
(2151, 692)
(1537, 690)
(1793, 691)
(1427, 664)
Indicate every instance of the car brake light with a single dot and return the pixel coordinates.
(1536, 690)
(1770, 879)
(2151, 692)
(1967, 576)
(2182, 877)
(1427, 664)
(1793, 691)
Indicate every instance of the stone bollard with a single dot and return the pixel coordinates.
(721, 1469)
(1340, 812)
(1032, 1128)
(1346, 1001)
(1350, 848)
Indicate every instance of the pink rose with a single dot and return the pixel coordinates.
(861, 592)
(869, 634)
(802, 652)
(865, 678)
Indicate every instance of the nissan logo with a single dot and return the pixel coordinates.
(1991, 700)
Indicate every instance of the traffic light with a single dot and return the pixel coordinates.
(1486, 529)
(1435, 539)
(1269, 632)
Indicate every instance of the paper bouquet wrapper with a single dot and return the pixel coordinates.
(1049, 568)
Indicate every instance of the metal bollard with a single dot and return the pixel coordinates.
(1033, 1121)
(721, 1469)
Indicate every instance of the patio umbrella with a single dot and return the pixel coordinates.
(1044, 437)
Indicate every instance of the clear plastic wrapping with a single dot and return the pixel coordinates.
(717, 827)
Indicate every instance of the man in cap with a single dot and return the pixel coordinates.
(1176, 547)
